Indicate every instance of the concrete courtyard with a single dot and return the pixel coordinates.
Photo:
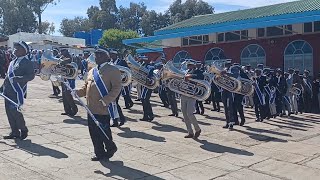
(59, 147)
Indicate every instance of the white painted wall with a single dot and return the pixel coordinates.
(39, 38)
(175, 42)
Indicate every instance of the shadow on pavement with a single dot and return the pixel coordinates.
(217, 148)
(36, 149)
(261, 137)
(167, 128)
(127, 133)
(76, 120)
(118, 169)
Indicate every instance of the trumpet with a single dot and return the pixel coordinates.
(174, 80)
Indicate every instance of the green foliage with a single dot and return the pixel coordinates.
(16, 15)
(69, 26)
(113, 38)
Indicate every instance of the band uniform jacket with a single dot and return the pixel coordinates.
(24, 73)
(111, 77)
(261, 81)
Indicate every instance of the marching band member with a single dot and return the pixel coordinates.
(102, 87)
(199, 104)
(20, 72)
(248, 100)
(117, 61)
(238, 98)
(293, 98)
(162, 89)
(69, 105)
(286, 98)
(258, 97)
(215, 96)
(298, 82)
(188, 103)
(146, 93)
(56, 89)
(281, 89)
(307, 93)
(84, 64)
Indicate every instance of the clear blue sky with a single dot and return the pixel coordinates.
(72, 8)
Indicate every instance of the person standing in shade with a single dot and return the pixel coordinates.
(102, 87)
(20, 72)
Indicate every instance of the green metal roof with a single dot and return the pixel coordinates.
(260, 12)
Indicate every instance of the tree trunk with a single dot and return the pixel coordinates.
(40, 24)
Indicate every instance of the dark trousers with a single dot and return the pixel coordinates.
(68, 103)
(227, 101)
(260, 110)
(164, 98)
(121, 116)
(99, 141)
(2, 71)
(307, 102)
(199, 107)
(172, 101)
(238, 108)
(16, 119)
(147, 109)
(127, 98)
(56, 90)
(279, 102)
(216, 97)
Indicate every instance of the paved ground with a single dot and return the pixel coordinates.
(59, 147)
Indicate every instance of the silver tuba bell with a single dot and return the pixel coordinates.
(194, 88)
(224, 81)
(126, 75)
(295, 90)
(50, 66)
(140, 74)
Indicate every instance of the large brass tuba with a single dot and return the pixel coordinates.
(224, 81)
(140, 74)
(295, 90)
(50, 66)
(126, 75)
(194, 88)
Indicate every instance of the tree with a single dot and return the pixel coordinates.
(16, 15)
(104, 17)
(152, 21)
(113, 38)
(38, 7)
(47, 27)
(179, 11)
(130, 18)
(69, 26)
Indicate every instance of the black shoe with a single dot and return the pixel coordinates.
(197, 112)
(137, 100)
(213, 109)
(189, 136)
(24, 135)
(115, 124)
(95, 158)
(242, 123)
(230, 127)
(202, 112)
(176, 115)
(110, 153)
(172, 115)
(150, 118)
(11, 136)
(226, 126)
(144, 119)
(121, 124)
(257, 119)
(64, 114)
(197, 134)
